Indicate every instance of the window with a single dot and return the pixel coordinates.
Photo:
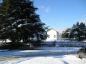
(54, 36)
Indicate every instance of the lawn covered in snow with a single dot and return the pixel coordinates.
(49, 55)
(66, 59)
(44, 51)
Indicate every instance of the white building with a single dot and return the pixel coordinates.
(53, 35)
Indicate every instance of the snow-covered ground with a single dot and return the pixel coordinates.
(66, 59)
(50, 55)
(47, 51)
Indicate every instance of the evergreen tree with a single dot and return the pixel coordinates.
(77, 32)
(66, 33)
(22, 22)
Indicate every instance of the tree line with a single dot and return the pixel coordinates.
(76, 32)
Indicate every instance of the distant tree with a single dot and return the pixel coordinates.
(66, 33)
(77, 32)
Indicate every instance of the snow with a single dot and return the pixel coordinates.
(52, 56)
(67, 59)
(11, 57)
(84, 40)
(19, 25)
(42, 60)
(71, 59)
(44, 51)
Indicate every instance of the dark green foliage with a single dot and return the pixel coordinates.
(19, 22)
(77, 32)
(66, 33)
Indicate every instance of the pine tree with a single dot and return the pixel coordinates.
(22, 22)
(78, 32)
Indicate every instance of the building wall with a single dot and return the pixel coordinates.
(52, 35)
